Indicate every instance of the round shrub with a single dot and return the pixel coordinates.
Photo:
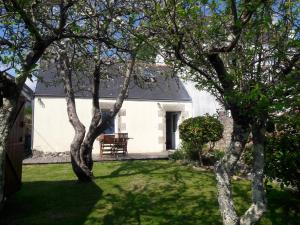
(200, 130)
(197, 131)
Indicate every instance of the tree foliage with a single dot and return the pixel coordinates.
(106, 49)
(83, 33)
(283, 140)
(241, 52)
(27, 29)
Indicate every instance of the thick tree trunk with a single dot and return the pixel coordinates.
(11, 93)
(259, 201)
(224, 169)
(80, 169)
(6, 112)
(87, 145)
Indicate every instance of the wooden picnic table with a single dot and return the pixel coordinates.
(113, 144)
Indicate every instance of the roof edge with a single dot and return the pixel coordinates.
(129, 99)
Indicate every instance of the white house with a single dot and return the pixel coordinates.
(150, 115)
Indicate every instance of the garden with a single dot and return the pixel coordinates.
(133, 192)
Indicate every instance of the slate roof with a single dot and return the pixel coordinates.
(157, 83)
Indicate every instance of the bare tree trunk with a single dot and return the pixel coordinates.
(6, 112)
(87, 145)
(11, 93)
(97, 125)
(224, 169)
(259, 201)
(79, 167)
(200, 157)
(82, 144)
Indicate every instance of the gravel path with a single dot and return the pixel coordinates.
(39, 157)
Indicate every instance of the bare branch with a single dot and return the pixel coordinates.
(123, 92)
(6, 42)
(63, 15)
(234, 10)
(288, 66)
(27, 20)
(238, 26)
(219, 67)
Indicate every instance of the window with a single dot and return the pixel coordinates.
(111, 128)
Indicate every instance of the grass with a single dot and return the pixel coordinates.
(131, 192)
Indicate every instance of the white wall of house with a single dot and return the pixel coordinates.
(203, 102)
(144, 121)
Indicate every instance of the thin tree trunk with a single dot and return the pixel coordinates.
(97, 125)
(224, 169)
(87, 145)
(79, 167)
(82, 144)
(259, 201)
(200, 157)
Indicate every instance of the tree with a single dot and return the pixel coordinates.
(240, 51)
(27, 29)
(110, 43)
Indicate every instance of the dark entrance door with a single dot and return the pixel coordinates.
(171, 129)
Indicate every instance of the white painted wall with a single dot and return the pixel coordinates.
(203, 101)
(144, 122)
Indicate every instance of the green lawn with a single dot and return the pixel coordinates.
(131, 192)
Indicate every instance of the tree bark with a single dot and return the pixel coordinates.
(11, 93)
(6, 112)
(79, 167)
(97, 125)
(224, 170)
(87, 146)
(82, 144)
(259, 201)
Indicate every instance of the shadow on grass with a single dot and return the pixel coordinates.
(51, 202)
(283, 206)
(132, 168)
(148, 207)
(135, 192)
(168, 194)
